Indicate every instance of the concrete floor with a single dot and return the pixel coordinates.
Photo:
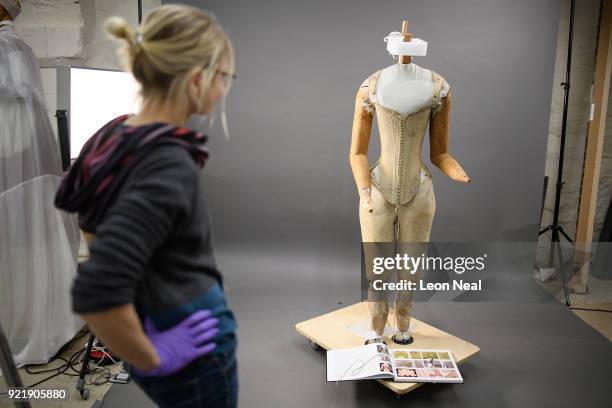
(598, 296)
(534, 351)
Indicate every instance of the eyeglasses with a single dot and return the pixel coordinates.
(225, 75)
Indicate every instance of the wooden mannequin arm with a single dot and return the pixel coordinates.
(438, 142)
(358, 155)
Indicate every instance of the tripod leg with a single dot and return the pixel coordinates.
(562, 267)
(551, 252)
(565, 235)
(81, 381)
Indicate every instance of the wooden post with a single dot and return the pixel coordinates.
(594, 146)
(406, 59)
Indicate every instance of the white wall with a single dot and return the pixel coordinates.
(69, 32)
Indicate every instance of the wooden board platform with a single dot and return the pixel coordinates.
(331, 331)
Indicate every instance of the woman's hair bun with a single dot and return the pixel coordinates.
(119, 28)
(174, 42)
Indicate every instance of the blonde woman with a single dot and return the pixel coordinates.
(151, 290)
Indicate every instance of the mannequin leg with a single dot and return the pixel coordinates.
(415, 220)
(377, 226)
(403, 300)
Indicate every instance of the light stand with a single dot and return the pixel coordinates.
(555, 227)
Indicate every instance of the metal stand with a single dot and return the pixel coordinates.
(64, 137)
(13, 380)
(555, 227)
(9, 369)
(81, 381)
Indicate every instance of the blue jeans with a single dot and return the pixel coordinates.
(211, 381)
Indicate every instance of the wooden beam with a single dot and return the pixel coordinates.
(594, 146)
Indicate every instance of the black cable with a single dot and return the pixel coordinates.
(102, 378)
(29, 371)
(46, 379)
(58, 371)
(103, 373)
(41, 381)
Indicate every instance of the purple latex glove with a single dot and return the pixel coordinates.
(181, 344)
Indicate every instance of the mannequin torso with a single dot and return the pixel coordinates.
(405, 88)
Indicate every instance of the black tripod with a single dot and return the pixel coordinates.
(555, 227)
(81, 381)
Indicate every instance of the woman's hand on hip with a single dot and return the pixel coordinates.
(181, 344)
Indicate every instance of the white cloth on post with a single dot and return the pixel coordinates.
(38, 243)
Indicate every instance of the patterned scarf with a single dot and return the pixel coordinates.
(107, 158)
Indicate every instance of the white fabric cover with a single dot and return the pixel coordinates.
(38, 243)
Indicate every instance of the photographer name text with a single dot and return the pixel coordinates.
(404, 284)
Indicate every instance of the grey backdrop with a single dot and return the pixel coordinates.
(283, 182)
(283, 178)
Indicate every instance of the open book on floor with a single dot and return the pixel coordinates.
(377, 361)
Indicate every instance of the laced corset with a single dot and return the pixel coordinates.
(397, 172)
